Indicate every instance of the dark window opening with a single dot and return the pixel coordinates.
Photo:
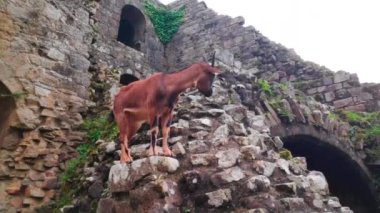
(7, 107)
(132, 27)
(126, 79)
(344, 176)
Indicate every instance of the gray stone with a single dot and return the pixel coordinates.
(341, 76)
(122, 177)
(333, 202)
(51, 12)
(228, 158)
(110, 147)
(278, 142)
(227, 176)
(201, 159)
(298, 165)
(237, 112)
(55, 54)
(345, 209)
(258, 183)
(219, 197)
(264, 167)
(215, 112)
(200, 124)
(318, 203)
(294, 204)
(220, 135)
(197, 146)
(257, 122)
(178, 149)
(173, 140)
(250, 152)
(283, 165)
(318, 183)
(238, 129)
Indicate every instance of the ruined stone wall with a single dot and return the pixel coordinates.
(106, 49)
(44, 60)
(50, 51)
(247, 51)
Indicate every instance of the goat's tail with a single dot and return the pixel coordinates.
(111, 117)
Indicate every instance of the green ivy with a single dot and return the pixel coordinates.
(166, 22)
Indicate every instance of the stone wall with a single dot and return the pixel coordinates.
(247, 51)
(50, 51)
(44, 60)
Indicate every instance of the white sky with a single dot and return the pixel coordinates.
(339, 34)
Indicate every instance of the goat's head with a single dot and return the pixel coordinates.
(206, 78)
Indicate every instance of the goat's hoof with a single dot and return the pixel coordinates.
(167, 152)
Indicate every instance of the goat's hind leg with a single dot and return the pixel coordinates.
(122, 125)
(154, 122)
(131, 131)
(166, 121)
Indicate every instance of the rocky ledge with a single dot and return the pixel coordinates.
(226, 161)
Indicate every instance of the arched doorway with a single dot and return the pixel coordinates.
(126, 79)
(132, 27)
(346, 179)
(7, 107)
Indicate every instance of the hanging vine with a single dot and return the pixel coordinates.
(166, 22)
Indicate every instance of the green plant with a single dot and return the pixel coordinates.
(286, 154)
(332, 116)
(265, 87)
(100, 127)
(166, 22)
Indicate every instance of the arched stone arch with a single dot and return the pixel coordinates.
(132, 27)
(348, 177)
(7, 109)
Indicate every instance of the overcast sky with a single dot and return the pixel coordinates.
(339, 34)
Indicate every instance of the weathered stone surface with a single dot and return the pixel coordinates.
(14, 187)
(228, 158)
(237, 112)
(202, 159)
(219, 197)
(198, 146)
(123, 177)
(298, 165)
(259, 183)
(227, 176)
(318, 182)
(250, 152)
(220, 135)
(264, 167)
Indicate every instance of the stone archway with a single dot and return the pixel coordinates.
(126, 79)
(131, 27)
(7, 108)
(346, 174)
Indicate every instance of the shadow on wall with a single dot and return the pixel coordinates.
(7, 107)
(132, 27)
(345, 178)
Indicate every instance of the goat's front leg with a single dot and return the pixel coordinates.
(166, 121)
(154, 121)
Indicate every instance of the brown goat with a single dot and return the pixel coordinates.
(153, 99)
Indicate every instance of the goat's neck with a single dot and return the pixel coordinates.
(180, 81)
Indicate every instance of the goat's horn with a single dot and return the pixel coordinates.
(213, 59)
